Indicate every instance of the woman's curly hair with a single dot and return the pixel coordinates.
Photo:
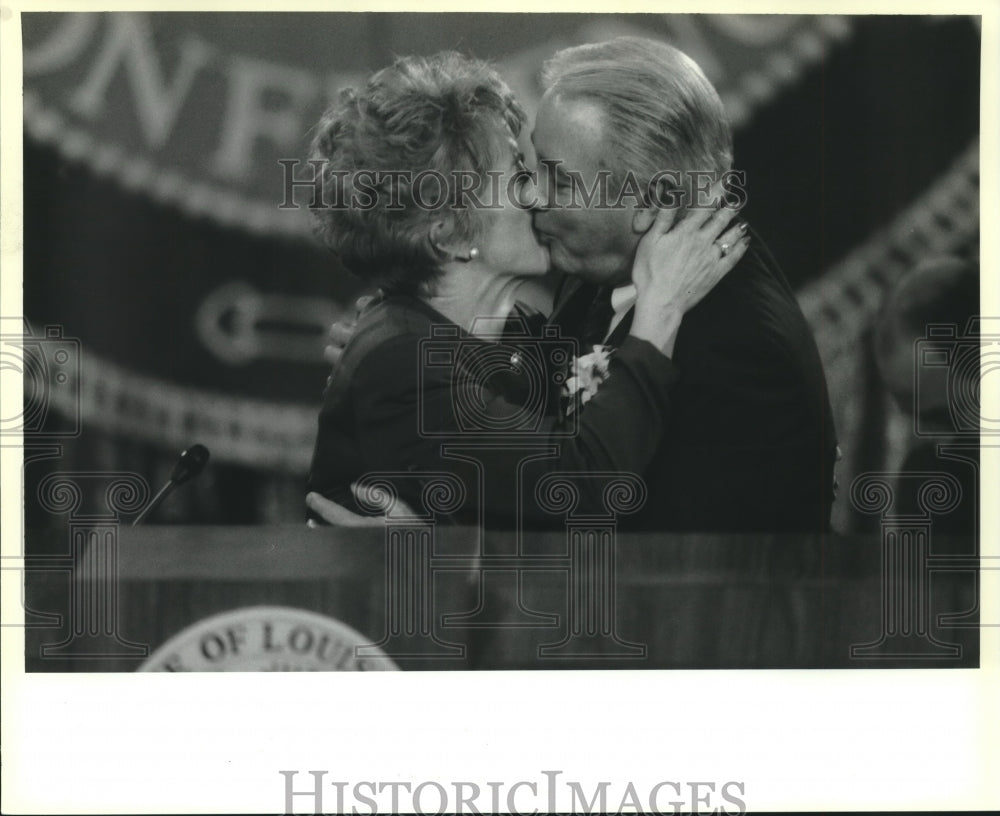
(443, 113)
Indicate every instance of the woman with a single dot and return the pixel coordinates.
(399, 401)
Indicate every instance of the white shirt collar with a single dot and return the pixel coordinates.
(623, 298)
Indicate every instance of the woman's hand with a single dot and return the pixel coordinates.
(677, 263)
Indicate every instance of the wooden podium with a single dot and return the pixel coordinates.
(440, 600)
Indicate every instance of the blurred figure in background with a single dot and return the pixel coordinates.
(940, 391)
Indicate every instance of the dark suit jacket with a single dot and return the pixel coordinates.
(750, 444)
(393, 406)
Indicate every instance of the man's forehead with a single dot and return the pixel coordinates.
(569, 130)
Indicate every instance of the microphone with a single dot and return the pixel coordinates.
(190, 464)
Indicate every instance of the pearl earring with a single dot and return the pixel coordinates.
(473, 254)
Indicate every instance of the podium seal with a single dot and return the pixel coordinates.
(268, 638)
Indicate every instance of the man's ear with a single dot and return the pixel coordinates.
(642, 219)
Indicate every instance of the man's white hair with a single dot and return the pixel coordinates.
(660, 111)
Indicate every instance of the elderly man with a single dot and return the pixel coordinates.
(750, 444)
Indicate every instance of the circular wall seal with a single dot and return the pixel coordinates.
(268, 638)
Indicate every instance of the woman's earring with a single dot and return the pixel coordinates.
(473, 254)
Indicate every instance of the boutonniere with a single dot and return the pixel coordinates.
(587, 373)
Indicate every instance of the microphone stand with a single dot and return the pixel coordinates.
(191, 463)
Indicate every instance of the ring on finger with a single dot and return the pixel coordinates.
(723, 248)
